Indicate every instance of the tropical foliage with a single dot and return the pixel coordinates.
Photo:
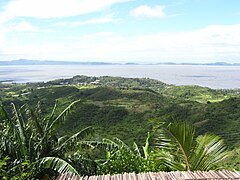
(31, 148)
(122, 158)
(35, 142)
(187, 152)
(30, 145)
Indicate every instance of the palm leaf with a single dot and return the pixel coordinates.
(121, 143)
(168, 159)
(136, 149)
(146, 147)
(77, 136)
(208, 152)
(178, 139)
(37, 124)
(52, 124)
(57, 164)
(110, 143)
(51, 116)
(186, 154)
(61, 117)
(19, 132)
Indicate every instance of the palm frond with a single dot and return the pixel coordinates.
(68, 143)
(136, 149)
(57, 164)
(19, 132)
(177, 137)
(121, 143)
(168, 159)
(209, 151)
(146, 147)
(62, 116)
(3, 113)
(51, 117)
(110, 143)
(36, 119)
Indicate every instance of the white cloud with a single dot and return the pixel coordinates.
(24, 27)
(101, 20)
(3, 31)
(55, 8)
(147, 11)
(213, 43)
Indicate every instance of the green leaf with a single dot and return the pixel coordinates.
(146, 147)
(187, 153)
(62, 116)
(57, 164)
(208, 152)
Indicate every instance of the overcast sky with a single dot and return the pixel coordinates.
(120, 30)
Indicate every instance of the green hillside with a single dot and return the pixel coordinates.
(128, 108)
(143, 103)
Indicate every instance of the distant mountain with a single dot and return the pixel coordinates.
(46, 62)
(38, 62)
(206, 64)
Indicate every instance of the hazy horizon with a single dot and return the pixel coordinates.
(119, 62)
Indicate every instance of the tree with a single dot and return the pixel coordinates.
(31, 144)
(121, 158)
(182, 151)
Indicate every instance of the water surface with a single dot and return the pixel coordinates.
(210, 76)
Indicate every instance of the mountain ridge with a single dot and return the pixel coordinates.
(52, 62)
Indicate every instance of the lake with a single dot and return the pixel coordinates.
(211, 76)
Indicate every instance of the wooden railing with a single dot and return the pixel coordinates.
(175, 175)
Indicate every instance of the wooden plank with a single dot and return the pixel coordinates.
(153, 176)
(224, 174)
(156, 176)
(204, 176)
(179, 175)
(126, 176)
(85, 178)
(192, 175)
(120, 176)
(143, 176)
(147, 177)
(216, 175)
(150, 176)
(185, 175)
(200, 175)
(139, 176)
(133, 176)
(159, 176)
(100, 177)
(107, 177)
(173, 175)
(235, 175)
(92, 178)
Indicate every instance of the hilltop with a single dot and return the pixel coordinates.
(128, 108)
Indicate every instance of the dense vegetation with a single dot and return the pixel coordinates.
(126, 108)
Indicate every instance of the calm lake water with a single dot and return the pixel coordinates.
(210, 76)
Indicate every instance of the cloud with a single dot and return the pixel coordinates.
(101, 20)
(213, 43)
(3, 32)
(24, 27)
(55, 8)
(147, 11)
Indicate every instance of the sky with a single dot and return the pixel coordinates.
(197, 31)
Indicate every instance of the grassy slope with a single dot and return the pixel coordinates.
(129, 108)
